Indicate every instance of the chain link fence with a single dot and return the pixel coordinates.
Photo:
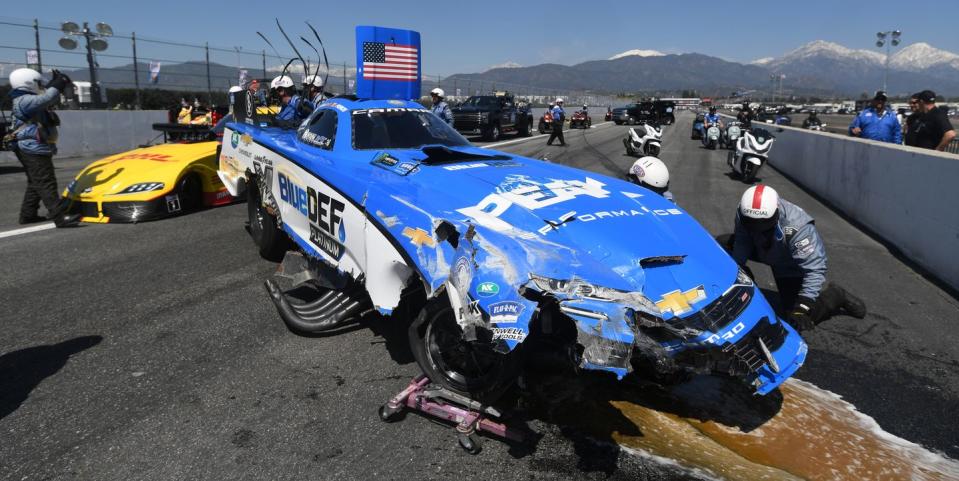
(138, 71)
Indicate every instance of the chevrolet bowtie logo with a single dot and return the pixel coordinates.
(681, 302)
(419, 237)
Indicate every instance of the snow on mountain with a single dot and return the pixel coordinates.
(637, 53)
(922, 56)
(509, 64)
(822, 48)
(762, 61)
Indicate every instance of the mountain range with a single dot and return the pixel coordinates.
(818, 68)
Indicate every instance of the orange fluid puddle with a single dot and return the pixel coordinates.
(722, 431)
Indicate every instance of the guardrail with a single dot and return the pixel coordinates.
(905, 195)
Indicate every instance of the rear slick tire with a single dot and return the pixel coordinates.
(271, 242)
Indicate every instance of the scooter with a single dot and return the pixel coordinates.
(817, 127)
(751, 154)
(711, 139)
(645, 139)
(731, 135)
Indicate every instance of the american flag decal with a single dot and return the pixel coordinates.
(386, 61)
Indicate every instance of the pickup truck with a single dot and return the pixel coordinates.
(635, 113)
(491, 116)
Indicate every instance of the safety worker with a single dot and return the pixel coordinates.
(313, 89)
(292, 107)
(440, 107)
(773, 231)
(559, 116)
(812, 120)
(877, 122)
(710, 119)
(186, 112)
(33, 137)
(651, 173)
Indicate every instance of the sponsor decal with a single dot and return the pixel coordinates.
(246, 139)
(462, 273)
(386, 159)
(505, 312)
(681, 302)
(320, 141)
(419, 237)
(235, 139)
(153, 157)
(172, 203)
(325, 214)
(726, 336)
(509, 333)
(476, 165)
(487, 289)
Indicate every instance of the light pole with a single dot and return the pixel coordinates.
(94, 42)
(893, 41)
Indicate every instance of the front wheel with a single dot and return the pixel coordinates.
(526, 130)
(190, 193)
(652, 150)
(270, 240)
(492, 133)
(749, 171)
(469, 368)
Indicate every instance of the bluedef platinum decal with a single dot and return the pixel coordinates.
(325, 214)
(505, 312)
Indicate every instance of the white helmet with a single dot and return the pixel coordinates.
(235, 89)
(759, 207)
(281, 81)
(559, 100)
(651, 173)
(438, 92)
(314, 80)
(27, 79)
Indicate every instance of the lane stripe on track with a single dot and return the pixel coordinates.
(27, 230)
(524, 139)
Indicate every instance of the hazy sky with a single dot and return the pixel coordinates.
(475, 35)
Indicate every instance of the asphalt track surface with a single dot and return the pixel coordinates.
(151, 351)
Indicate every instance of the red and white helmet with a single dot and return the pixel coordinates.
(759, 207)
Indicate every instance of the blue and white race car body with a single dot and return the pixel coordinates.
(615, 256)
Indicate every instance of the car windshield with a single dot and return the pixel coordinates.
(401, 129)
(486, 101)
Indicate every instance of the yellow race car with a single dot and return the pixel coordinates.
(153, 182)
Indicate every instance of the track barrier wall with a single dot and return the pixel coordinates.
(102, 132)
(906, 195)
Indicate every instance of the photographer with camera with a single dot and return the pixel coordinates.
(33, 138)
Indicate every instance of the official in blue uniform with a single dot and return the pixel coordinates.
(440, 107)
(775, 232)
(559, 116)
(877, 122)
(33, 137)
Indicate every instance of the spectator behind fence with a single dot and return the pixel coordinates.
(877, 122)
(933, 129)
(912, 120)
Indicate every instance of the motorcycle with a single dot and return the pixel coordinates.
(711, 139)
(545, 123)
(732, 134)
(751, 154)
(645, 139)
(816, 127)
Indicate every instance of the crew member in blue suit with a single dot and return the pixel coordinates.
(293, 109)
(777, 233)
(876, 122)
(559, 115)
(440, 107)
(33, 138)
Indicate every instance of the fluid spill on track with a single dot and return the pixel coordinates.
(802, 432)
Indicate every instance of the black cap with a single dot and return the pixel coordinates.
(880, 95)
(927, 96)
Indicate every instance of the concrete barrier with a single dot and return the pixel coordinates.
(907, 196)
(102, 132)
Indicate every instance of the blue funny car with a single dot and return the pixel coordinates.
(388, 206)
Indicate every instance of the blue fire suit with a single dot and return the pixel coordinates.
(442, 110)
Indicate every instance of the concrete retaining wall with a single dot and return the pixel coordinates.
(102, 132)
(907, 196)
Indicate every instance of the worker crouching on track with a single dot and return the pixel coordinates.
(778, 233)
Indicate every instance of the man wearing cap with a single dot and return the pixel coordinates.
(877, 122)
(559, 115)
(912, 121)
(932, 130)
(775, 232)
